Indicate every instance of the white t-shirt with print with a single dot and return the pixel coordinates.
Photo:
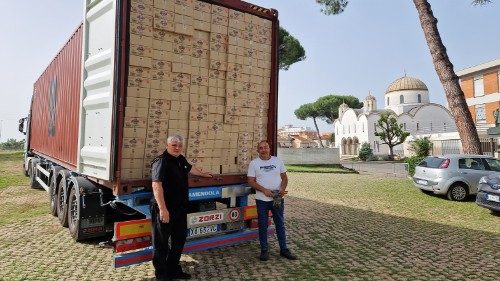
(267, 173)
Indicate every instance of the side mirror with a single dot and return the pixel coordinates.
(21, 125)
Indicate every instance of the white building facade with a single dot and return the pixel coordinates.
(407, 98)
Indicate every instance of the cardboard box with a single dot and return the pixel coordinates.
(219, 10)
(202, 25)
(164, 4)
(134, 142)
(218, 64)
(131, 152)
(157, 133)
(139, 18)
(146, 41)
(159, 104)
(135, 122)
(137, 102)
(184, 7)
(181, 67)
(141, 7)
(162, 64)
(199, 53)
(140, 29)
(151, 153)
(163, 19)
(159, 113)
(138, 71)
(140, 61)
(162, 46)
(158, 123)
(138, 92)
(136, 112)
(134, 132)
(141, 50)
(184, 29)
(160, 87)
(131, 173)
(155, 143)
(220, 20)
(161, 74)
(132, 163)
(202, 6)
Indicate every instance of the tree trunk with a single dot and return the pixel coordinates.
(391, 152)
(317, 130)
(449, 80)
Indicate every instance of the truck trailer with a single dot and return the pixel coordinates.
(134, 72)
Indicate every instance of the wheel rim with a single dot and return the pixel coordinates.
(74, 210)
(459, 193)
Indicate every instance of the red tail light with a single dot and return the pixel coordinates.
(444, 164)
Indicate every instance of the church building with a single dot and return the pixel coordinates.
(407, 98)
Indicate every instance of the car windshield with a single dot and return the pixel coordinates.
(494, 164)
(431, 162)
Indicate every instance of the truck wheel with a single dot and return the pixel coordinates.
(74, 214)
(62, 207)
(53, 190)
(32, 174)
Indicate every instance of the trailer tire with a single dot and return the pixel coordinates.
(62, 207)
(53, 186)
(74, 214)
(32, 174)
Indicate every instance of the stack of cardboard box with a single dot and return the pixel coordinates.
(199, 70)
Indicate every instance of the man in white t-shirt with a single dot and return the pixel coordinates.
(267, 175)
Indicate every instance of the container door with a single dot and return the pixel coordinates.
(96, 114)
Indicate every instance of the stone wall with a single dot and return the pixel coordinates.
(309, 155)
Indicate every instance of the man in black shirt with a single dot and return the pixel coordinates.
(169, 173)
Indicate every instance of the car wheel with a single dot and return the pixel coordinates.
(458, 192)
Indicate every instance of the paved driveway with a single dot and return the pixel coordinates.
(334, 242)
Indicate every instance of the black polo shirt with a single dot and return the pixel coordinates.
(173, 174)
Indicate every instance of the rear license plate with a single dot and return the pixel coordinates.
(422, 182)
(494, 198)
(203, 230)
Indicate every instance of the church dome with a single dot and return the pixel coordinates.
(406, 83)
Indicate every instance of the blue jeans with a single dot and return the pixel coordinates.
(263, 208)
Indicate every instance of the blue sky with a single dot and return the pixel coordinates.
(364, 49)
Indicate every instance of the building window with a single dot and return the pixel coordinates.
(431, 126)
(387, 100)
(480, 113)
(404, 126)
(419, 98)
(478, 86)
(418, 128)
(444, 126)
(401, 99)
(363, 126)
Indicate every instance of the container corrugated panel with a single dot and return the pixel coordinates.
(55, 105)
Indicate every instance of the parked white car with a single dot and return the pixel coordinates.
(455, 175)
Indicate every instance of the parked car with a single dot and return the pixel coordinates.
(455, 175)
(488, 192)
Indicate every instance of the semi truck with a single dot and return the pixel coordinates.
(134, 72)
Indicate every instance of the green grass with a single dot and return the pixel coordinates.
(393, 196)
(6, 155)
(319, 168)
(13, 180)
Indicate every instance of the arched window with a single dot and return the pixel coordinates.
(401, 99)
(418, 127)
(387, 100)
(419, 98)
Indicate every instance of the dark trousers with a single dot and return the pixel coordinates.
(166, 257)
(263, 208)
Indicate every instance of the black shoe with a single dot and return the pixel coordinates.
(264, 255)
(287, 254)
(181, 275)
